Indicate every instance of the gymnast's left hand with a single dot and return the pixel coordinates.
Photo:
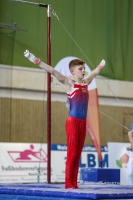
(102, 64)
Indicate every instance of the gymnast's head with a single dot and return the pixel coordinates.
(76, 64)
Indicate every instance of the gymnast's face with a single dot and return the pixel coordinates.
(78, 71)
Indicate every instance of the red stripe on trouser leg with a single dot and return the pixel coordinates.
(76, 132)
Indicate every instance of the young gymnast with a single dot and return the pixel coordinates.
(130, 138)
(130, 163)
(78, 97)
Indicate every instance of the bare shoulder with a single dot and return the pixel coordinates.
(87, 80)
(69, 84)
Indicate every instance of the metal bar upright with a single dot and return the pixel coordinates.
(48, 95)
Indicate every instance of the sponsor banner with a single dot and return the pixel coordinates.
(23, 163)
(27, 163)
(119, 158)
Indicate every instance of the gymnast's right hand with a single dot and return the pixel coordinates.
(30, 56)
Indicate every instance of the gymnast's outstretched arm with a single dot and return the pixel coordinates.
(95, 72)
(60, 77)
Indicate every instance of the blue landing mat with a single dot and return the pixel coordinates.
(57, 192)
